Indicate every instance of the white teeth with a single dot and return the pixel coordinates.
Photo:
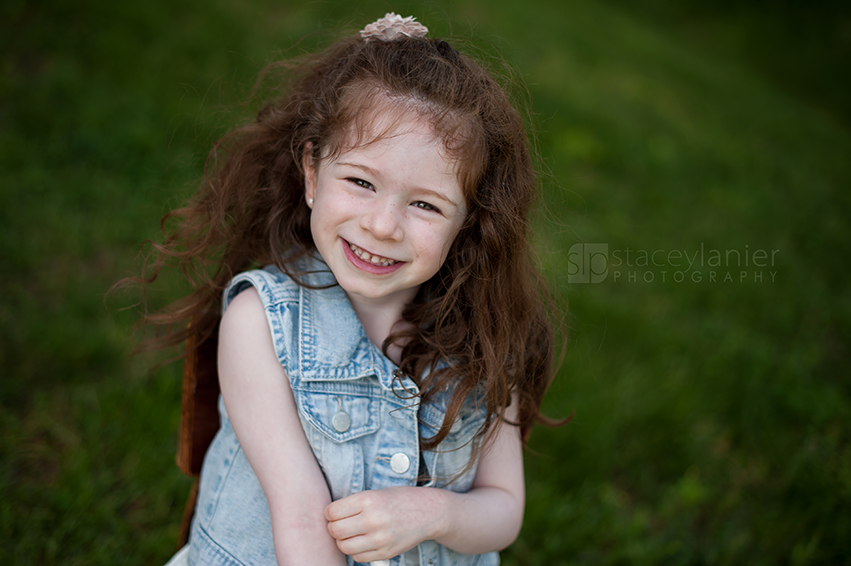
(373, 259)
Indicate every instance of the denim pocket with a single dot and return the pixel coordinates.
(340, 420)
(338, 413)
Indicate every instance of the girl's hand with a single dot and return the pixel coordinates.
(383, 523)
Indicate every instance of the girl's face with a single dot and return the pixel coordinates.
(385, 214)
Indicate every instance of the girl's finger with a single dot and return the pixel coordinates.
(345, 528)
(357, 545)
(341, 509)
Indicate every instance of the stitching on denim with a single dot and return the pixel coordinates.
(215, 547)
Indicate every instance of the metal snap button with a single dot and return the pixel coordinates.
(341, 421)
(456, 426)
(400, 463)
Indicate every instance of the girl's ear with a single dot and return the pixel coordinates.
(308, 164)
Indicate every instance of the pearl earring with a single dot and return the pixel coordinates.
(310, 202)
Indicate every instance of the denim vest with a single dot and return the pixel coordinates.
(362, 422)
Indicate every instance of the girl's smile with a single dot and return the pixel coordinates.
(372, 263)
(385, 213)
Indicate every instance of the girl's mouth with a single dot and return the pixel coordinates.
(371, 258)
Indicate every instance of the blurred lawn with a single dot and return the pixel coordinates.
(713, 417)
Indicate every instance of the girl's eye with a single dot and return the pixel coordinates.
(425, 206)
(360, 183)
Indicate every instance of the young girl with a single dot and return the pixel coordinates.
(380, 374)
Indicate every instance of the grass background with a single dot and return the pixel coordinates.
(713, 418)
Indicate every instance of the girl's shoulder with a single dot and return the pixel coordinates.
(275, 285)
(272, 284)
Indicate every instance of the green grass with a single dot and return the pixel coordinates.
(713, 418)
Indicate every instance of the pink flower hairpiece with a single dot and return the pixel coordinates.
(391, 26)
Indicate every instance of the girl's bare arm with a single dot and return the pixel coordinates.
(489, 517)
(262, 410)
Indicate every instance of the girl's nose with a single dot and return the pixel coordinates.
(383, 220)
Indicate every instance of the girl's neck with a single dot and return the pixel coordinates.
(380, 318)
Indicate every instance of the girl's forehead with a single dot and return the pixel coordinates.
(382, 114)
(383, 124)
(385, 119)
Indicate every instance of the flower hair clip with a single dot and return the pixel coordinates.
(391, 26)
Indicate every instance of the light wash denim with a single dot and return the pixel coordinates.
(363, 426)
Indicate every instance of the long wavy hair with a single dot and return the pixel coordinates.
(485, 312)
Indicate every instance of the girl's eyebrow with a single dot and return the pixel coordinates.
(375, 173)
(437, 195)
(367, 168)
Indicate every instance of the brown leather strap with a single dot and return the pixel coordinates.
(199, 415)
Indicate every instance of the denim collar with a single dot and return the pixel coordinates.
(333, 344)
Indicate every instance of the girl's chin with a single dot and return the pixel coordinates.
(373, 293)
